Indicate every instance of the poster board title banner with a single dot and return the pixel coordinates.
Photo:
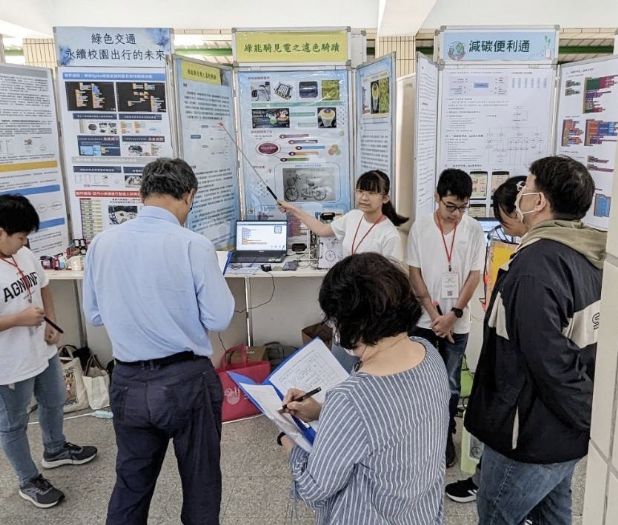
(112, 46)
(481, 45)
(326, 47)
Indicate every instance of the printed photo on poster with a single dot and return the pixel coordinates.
(327, 117)
(141, 97)
(270, 118)
(90, 96)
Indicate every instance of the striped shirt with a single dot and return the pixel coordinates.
(378, 457)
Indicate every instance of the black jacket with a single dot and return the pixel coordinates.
(532, 394)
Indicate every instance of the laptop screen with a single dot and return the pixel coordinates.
(253, 236)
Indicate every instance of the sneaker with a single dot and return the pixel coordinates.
(69, 455)
(41, 493)
(451, 455)
(462, 491)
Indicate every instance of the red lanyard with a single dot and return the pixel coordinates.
(449, 254)
(364, 236)
(22, 276)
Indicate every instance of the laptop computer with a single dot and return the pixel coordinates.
(260, 242)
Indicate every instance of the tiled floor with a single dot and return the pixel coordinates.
(256, 482)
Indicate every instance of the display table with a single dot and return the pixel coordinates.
(233, 273)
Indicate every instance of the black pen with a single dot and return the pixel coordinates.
(53, 325)
(302, 398)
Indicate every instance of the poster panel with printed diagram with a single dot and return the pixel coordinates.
(375, 118)
(587, 127)
(114, 121)
(494, 122)
(295, 132)
(29, 152)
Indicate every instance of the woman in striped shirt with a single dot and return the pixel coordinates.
(378, 457)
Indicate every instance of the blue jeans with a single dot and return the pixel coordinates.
(48, 388)
(510, 491)
(452, 355)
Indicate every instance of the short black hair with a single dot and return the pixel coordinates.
(167, 177)
(505, 195)
(456, 182)
(566, 184)
(17, 215)
(367, 298)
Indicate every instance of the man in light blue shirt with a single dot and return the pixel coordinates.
(158, 290)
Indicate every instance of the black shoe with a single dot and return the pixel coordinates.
(41, 493)
(462, 491)
(69, 455)
(451, 455)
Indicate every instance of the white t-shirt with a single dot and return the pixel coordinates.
(23, 350)
(383, 238)
(426, 251)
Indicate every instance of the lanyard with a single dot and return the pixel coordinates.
(354, 250)
(449, 254)
(22, 276)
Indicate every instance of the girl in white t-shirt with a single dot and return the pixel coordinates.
(371, 227)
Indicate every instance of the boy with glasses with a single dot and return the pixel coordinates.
(446, 255)
(29, 362)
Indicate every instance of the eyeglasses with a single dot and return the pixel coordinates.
(452, 208)
(520, 185)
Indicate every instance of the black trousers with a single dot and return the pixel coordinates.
(151, 405)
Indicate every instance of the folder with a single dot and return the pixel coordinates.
(311, 366)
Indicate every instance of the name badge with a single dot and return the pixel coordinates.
(450, 286)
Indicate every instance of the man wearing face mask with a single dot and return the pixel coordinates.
(158, 290)
(531, 401)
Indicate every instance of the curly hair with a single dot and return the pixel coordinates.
(367, 298)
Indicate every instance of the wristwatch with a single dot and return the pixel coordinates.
(457, 311)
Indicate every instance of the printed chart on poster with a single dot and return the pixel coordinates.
(494, 123)
(29, 152)
(207, 131)
(295, 132)
(114, 122)
(375, 91)
(426, 136)
(587, 127)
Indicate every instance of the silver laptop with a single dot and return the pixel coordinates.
(260, 241)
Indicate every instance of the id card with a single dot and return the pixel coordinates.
(449, 285)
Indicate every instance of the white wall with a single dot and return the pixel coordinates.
(565, 13)
(42, 15)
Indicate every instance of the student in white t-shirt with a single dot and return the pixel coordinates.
(446, 253)
(371, 227)
(29, 361)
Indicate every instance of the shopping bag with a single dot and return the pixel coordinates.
(96, 381)
(235, 403)
(76, 397)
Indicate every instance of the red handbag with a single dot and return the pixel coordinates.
(235, 404)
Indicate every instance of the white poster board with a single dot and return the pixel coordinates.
(29, 152)
(494, 122)
(587, 126)
(206, 129)
(114, 121)
(375, 118)
(426, 137)
(295, 131)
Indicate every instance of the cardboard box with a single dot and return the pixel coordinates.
(320, 330)
(254, 353)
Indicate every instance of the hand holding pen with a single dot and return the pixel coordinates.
(301, 404)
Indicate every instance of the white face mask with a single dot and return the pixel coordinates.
(522, 214)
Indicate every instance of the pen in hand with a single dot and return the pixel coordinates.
(53, 325)
(302, 398)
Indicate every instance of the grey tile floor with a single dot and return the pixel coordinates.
(255, 473)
